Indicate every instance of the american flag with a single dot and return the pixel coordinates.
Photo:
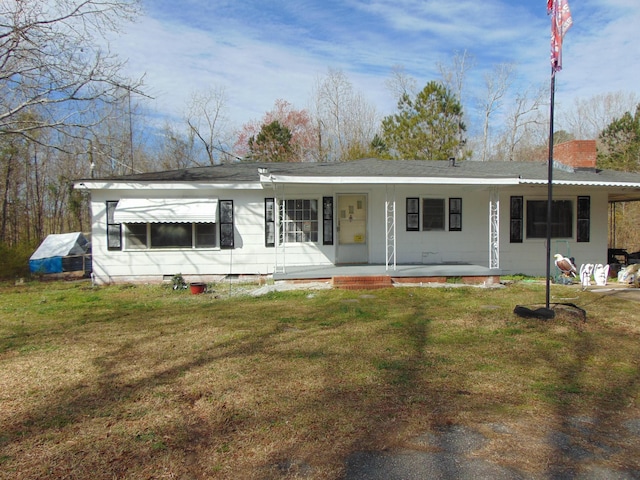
(561, 21)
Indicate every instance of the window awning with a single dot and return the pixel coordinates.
(166, 210)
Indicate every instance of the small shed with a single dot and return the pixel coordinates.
(63, 252)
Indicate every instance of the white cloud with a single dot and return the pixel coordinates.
(178, 60)
(262, 52)
(603, 56)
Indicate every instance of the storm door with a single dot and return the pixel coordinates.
(352, 229)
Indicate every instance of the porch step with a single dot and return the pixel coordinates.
(362, 282)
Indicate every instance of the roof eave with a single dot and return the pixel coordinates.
(621, 191)
(581, 183)
(364, 180)
(168, 185)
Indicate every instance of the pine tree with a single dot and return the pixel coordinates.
(620, 143)
(427, 127)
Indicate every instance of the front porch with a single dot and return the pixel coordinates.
(378, 276)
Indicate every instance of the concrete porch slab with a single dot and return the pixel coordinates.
(401, 274)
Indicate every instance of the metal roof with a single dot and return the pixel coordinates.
(622, 186)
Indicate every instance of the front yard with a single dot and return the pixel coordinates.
(148, 382)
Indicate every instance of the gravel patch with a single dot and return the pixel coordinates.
(455, 452)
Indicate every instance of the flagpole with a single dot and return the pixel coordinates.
(550, 186)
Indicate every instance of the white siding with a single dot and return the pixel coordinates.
(529, 257)
(470, 245)
(251, 257)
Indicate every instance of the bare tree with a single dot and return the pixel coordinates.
(52, 66)
(12, 154)
(36, 194)
(401, 83)
(454, 77)
(207, 121)
(176, 150)
(524, 120)
(332, 95)
(496, 83)
(346, 121)
(64, 107)
(111, 142)
(589, 117)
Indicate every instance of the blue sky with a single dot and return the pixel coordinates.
(260, 51)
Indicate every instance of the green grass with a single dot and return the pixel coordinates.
(147, 382)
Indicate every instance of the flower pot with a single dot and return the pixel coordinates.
(197, 287)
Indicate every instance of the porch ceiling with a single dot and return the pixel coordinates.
(624, 195)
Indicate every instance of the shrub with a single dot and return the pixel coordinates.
(14, 261)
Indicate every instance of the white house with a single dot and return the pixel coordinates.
(287, 219)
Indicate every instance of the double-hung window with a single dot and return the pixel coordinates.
(529, 217)
(433, 214)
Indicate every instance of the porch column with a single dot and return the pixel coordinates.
(280, 259)
(494, 229)
(390, 225)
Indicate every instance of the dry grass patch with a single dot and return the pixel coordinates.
(146, 382)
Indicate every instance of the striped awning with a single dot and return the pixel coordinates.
(166, 210)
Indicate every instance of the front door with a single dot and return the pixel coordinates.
(352, 229)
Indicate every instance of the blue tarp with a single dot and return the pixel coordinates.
(48, 257)
(46, 265)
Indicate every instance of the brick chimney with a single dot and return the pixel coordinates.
(578, 154)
